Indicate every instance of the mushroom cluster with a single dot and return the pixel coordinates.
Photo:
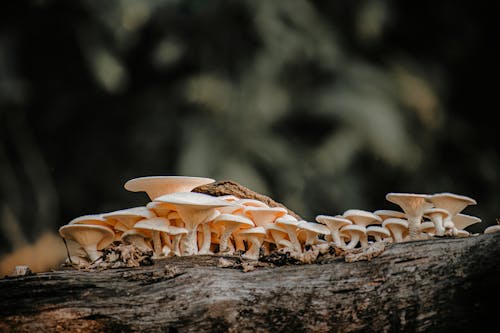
(179, 222)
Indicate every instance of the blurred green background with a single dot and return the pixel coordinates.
(322, 105)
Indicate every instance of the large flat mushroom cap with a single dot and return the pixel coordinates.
(453, 203)
(462, 221)
(156, 186)
(413, 204)
(86, 234)
(264, 215)
(193, 199)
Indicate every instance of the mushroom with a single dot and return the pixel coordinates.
(462, 221)
(437, 216)
(177, 234)
(414, 206)
(95, 219)
(194, 209)
(378, 233)
(155, 186)
(492, 228)
(161, 209)
(289, 223)
(276, 233)
(125, 219)
(204, 248)
(362, 217)
(388, 213)
(92, 238)
(264, 215)
(334, 223)
(155, 225)
(255, 237)
(453, 203)
(137, 238)
(397, 227)
(231, 223)
(312, 230)
(357, 234)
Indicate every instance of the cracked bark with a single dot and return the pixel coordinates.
(439, 285)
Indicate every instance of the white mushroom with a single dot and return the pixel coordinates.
(125, 219)
(276, 233)
(255, 237)
(312, 230)
(357, 234)
(378, 233)
(397, 227)
(155, 186)
(137, 238)
(437, 216)
(231, 223)
(156, 225)
(92, 238)
(414, 206)
(262, 216)
(289, 223)
(362, 217)
(461, 221)
(334, 224)
(194, 209)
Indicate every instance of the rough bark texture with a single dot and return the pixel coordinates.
(439, 285)
(226, 187)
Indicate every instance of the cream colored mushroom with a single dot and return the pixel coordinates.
(276, 234)
(492, 228)
(357, 234)
(398, 228)
(156, 186)
(262, 216)
(388, 213)
(156, 225)
(204, 245)
(177, 233)
(161, 209)
(138, 238)
(125, 219)
(230, 223)
(92, 238)
(255, 237)
(194, 209)
(334, 224)
(461, 221)
(414, 206)
(362, 217)
(379, 233)
(437, 216)
(312, 231)
(289, 223)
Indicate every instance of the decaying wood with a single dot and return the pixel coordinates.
(439, 285)
(229, 187)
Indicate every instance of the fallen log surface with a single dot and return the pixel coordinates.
(439, 285)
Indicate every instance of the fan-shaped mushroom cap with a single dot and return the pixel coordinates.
(264, 215)
(462, 221)
(231, 223)
(256, 231)
(397, 227)
(492, 229)
(251, 202)
(437, 216)
(414, 206)
(130, 216)
(362, 217)
(334, 223)
(453, 203)
(357, 234)
(388, 213)
(156, 186)
(95, 219)
(91, 237)
(312, 231)
(255, 237)
(378, 232)
(276, 233)
(155, 223)
(160, 208)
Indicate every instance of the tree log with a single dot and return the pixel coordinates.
(438, 285)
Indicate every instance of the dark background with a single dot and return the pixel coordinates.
(322, 105)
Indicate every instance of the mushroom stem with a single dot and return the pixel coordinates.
(175, 245)
(188, 243)
(414, 232)
(92, 253)
(205, 248)
(437, 219)
(156, 243)
(254, 248)
(224, 239)
(240, 244)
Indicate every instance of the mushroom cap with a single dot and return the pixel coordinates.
(388, 213)
(160, 208)
(233, 219)
(229, 197)
(412, 204)
(394, 221)
(354, 229)
(453, 203)
(135, 232)
(492, 229)
(88, 234)
(427, 227)
(96, 219)
(431, 212)
(173, 230)
(264, 215)
(274, 227)
(193, 199)
(462, 221)
(313, 227)
(286, 221)
(130, 216)
(251, 202)
(335, 222)
(156, 186)
(256, 231)
(362, 217)
(155, 223)
(375, 230)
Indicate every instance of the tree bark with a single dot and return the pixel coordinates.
(439, 285)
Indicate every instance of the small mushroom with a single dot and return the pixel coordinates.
(138, 238)
(204, 248)
(453, 203)
(334, 224)
(362, 217)
(155, 186)
(437, 216)
(161, 209)
(156, 225)
(92, 238)
(262, 216)
(492, 228)
(414, 206)
(125, 219)
(312, 231)
(289, 223)
(462, 221)
(231, 223)
(255, 237)
(276, 233)
(397, 227)
(379, 233)
(388, 213)
(357, 234)
(177, 234)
